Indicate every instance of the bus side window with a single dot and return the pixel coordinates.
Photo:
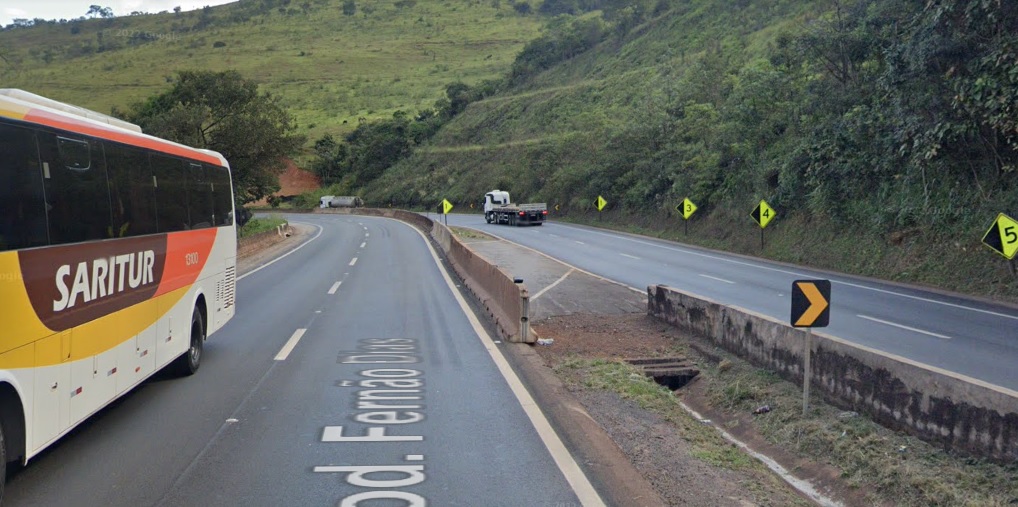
(132, 191)
(77, 192)
(22, 203)
(171, 193)
(222, 195)
(200, 193)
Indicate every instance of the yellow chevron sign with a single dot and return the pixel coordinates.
(446, 206)
(811, 303)
(763, 214)
(1002, 237)
(687, 208)
(601, 203)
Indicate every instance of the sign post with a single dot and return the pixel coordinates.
(811, 307)
(446, 208)
(600, 203)
(763, 214)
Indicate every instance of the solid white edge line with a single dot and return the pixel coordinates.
(354, 261)
(277, 259)
(802, 485)
(902, 326)
(548, 288)
(334, 288)
(290, 344)
(718, 279)
(574, 475)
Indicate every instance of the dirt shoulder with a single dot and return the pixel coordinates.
(260, 249)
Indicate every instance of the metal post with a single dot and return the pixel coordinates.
(1010, 264)
(761, 239)
(687, 226)
(806, 371)
(525, 316)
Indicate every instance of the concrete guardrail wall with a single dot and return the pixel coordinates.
(958, 412)
(506, 302)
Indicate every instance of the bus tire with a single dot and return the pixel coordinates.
(188, 363)
(487, 217)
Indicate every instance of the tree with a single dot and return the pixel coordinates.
(330, 161)
(224, 112)
(349, 7)
(99, 11)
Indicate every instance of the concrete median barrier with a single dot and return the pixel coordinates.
(506, 302)
(936, 405)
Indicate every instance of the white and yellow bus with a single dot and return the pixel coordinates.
(117, 258)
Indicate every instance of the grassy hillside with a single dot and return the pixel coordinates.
(330, 69)
(881, 131)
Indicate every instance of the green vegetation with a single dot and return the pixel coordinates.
(883, 132)
(330, 67)
(222, 111)
(259, 225)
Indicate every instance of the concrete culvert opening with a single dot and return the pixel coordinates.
(671, 372)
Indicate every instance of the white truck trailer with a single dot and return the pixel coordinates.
(499, 209)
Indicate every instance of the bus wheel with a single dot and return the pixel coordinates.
(487, 217)
(188, 363)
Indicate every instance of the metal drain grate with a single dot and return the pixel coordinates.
(671, 372)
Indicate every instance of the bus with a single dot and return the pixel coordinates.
(118, 256)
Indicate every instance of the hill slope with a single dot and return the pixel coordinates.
(879, 130)
(329, 68)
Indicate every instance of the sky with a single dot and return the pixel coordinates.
(71, 9)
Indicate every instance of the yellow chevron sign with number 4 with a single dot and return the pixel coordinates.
(763, 214)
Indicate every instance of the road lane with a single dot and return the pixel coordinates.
(388, 356)
(982, 337)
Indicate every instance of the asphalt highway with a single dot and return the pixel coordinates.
(970, 337)
(351, 374)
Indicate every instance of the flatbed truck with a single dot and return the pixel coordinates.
(499, 209)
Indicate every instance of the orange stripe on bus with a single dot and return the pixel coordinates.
(61, 122)
(186, 254)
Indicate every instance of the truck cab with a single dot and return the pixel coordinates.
(495, 199)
